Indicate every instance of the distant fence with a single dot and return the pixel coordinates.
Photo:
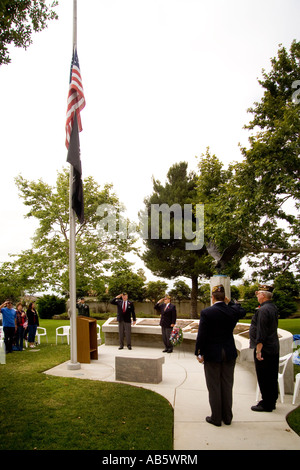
(183, 308)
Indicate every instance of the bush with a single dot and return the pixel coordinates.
(286, 305)
(250, 305)
(50, 305)
(286, 290)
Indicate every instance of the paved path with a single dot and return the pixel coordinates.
(183, 385)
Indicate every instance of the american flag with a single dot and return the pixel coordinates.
(76, 100)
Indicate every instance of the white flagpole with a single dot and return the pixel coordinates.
(73, 364)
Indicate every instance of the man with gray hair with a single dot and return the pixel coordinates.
(125, 309)
(264, 340)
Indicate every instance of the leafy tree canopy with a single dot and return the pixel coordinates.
(46, 264)
(123, 279)
(257, 201)
(168, 256)
(155, 290)
(180, 291)
(19, 19)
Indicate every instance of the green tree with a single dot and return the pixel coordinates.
(181, 291)
(257, 201)
(19, 19)
(204, 294)
(235, 292)
(272, 165)
(248, 297)
(14, 282)
(9, 289)
(123, 279)
(46, 264)
(286, 291)
(168, 256)
(49, 305)
(212, 189)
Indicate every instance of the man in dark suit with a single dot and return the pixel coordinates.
(125, 309)
(215, 348)
(264, 340)
(83, 308)
(167, 320)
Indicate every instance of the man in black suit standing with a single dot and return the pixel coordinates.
(125, 309)
(167, 320)
(215, 348)
(264, 340)
(83, 308)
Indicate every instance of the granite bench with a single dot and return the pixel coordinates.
(139, 369)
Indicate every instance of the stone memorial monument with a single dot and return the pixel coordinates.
(220, 262)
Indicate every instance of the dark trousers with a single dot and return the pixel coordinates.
(19, 338)
(219, 380)
(166, 333)
(31, 333)
(9, 334)
(124, 330)
(267, 377)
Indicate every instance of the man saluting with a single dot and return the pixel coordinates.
(167, 320)
(125, 309)
(216, 348)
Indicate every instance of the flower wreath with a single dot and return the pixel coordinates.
(176, 336)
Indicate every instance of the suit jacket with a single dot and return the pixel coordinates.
(126, 316)
(216, 331)
(83, 309)
(263, 328)
(168, 315)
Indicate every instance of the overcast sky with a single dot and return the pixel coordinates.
(163, 80)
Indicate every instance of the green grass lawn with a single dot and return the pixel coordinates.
(290, 324)
(43, 412)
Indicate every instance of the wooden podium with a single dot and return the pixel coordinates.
(87, 347)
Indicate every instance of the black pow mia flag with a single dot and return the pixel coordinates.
(74, 159)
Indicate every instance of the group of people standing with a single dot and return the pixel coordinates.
(215, 345)
(125, 310)
(215, 348)
(18, 325)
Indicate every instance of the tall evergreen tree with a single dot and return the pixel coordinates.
(169, 257)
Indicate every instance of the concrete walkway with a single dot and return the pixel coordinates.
(184, 386)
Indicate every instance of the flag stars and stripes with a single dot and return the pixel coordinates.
(76, 100)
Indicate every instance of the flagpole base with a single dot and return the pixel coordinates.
(73, 365)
